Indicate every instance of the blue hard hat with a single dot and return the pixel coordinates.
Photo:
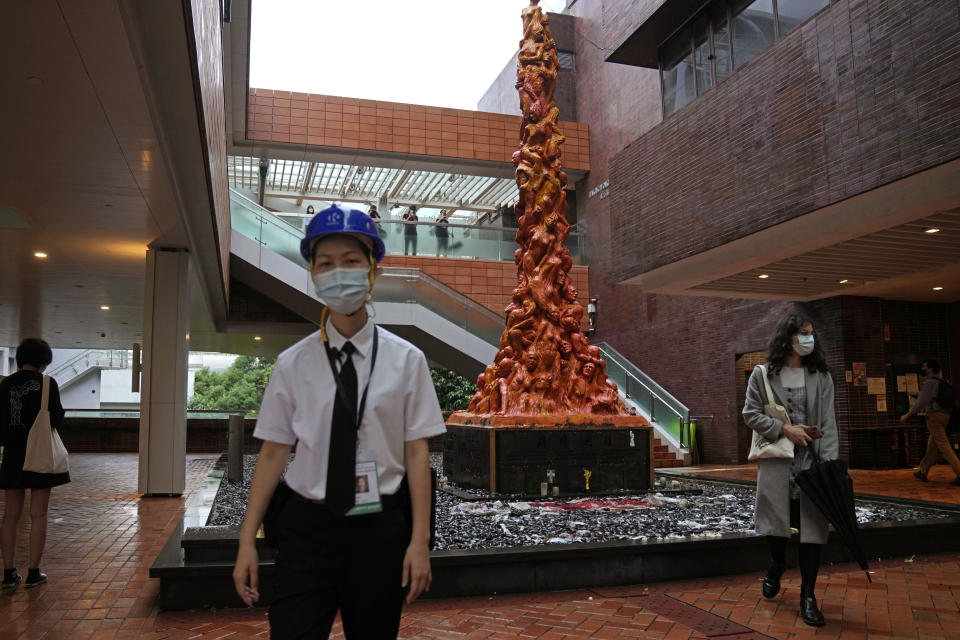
(338, 218)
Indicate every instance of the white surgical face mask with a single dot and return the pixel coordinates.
(343, 290)
(804, 345)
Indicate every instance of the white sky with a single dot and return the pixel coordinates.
(443, 53)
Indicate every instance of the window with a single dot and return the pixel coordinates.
(722, 38)
(792, 12)
(566, 59)
(723, 58)
(753, 29)
(702, 57)
(679, 85)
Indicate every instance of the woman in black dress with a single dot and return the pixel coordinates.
(20, 396)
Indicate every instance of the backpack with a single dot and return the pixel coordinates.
(947, 399)
(946, 396)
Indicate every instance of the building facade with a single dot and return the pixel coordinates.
(749, 156)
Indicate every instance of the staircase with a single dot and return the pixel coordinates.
(79, 365)
(664, 457)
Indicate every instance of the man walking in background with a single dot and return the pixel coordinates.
(934, 395)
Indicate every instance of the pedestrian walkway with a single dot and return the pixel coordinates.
(893, 483)
(103, 538)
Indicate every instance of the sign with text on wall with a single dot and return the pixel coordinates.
(913, 386)
(876, 386)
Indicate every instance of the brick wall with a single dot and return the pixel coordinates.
(691, 344)
(864, 93)
(332, 121)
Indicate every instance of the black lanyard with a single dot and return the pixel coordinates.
(357, 415)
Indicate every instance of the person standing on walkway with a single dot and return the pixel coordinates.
(443, 232)
(800, 380)
(937, 416)
(357, 401)
(21, 396)
(410, 231)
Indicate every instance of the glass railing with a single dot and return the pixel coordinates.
(415, 286)
(642, 390)
(400, 238)
(263, 227)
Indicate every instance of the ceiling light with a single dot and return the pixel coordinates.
(932, 230)
(39, 254)
(256, 338)
(844, 281)
(938, 288)
(763, 276)
(104, 307)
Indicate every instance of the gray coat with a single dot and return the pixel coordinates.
(773, 475)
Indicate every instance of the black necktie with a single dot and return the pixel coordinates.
(341, 464)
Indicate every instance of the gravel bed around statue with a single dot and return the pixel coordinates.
(676, 509)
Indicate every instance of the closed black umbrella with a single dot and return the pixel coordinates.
(829, 486)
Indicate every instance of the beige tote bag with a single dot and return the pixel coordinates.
(45, 450)
(760, 447)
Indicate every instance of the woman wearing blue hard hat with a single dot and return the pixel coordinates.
(351, 515)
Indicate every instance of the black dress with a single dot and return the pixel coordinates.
(20, 396)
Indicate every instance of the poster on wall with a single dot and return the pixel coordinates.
(876, 386)
(901, 384)
(913, 387)
(881, 404)
(859, 374)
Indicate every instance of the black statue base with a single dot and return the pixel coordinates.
(584, 459)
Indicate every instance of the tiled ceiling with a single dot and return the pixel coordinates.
(905, 258)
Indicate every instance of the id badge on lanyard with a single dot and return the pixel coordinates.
(368, 480)
(368, 486)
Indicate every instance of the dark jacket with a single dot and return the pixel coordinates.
(20, 395)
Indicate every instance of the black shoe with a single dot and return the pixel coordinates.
(34, 578)
(810, 613)
(920, 475)
(771, 582)
(11, 580)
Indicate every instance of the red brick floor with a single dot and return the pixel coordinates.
(103, 538)
(897, 483)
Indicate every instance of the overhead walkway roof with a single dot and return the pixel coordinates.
(299, 180)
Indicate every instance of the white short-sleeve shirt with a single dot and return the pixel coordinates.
(298, 406)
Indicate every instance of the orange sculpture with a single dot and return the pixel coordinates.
(545, 365)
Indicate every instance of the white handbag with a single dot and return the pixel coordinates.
(45, 450)
(760, 447)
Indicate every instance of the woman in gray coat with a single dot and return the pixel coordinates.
(801, 383)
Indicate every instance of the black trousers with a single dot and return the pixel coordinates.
(410, 244)
(351, 564)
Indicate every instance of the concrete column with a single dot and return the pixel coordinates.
(163, 388)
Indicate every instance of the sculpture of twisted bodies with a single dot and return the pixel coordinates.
(545, 364)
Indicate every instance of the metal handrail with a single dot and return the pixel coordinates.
(654, 390)
(85, 355)
(442, 286)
